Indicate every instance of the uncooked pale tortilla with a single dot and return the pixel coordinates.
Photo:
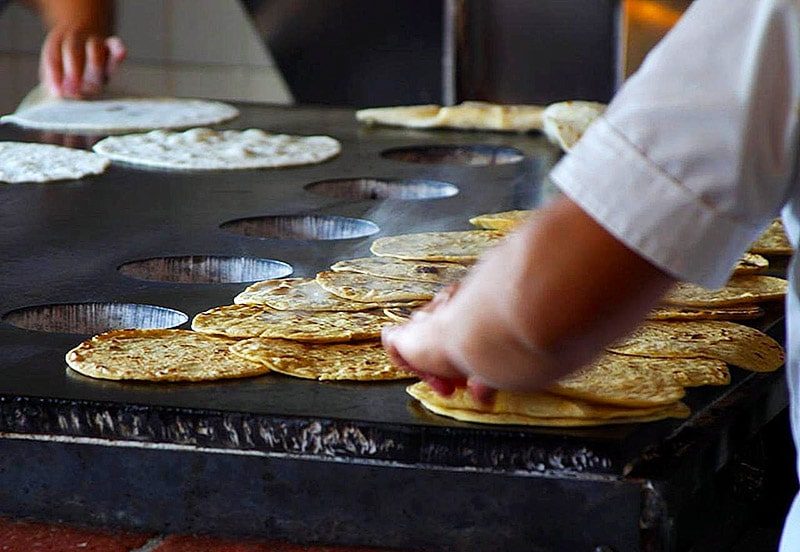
(503, 221)
(415, 271)
(207, 149)
(241, 321)
(302, 294)
(733, 343)
(470, 115)
(159, 355)
(27, 162)
(362, 361)
(460, 247)
(739, 290)
(537, 409)
(121, 115)
(375, 289)
(565, 122)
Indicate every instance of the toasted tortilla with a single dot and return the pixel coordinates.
(304, 294)
(375, 289)
(733, 343)
(460, 247)
(537, 409)
(362, 361)
(564, 123)
(773, 241)
(469, 115)
(503, 221)
(243, 321)
(398, 269)
(159, 355)
(739, 290)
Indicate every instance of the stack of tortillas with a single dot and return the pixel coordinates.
(641, 378)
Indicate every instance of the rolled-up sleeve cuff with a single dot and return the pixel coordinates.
(655, 215)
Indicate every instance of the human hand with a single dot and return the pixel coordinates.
(468, 337)
(541, 304)
(447, 378)
(77, 63)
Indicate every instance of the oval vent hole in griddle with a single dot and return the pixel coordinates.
(93, 318)
(200, 269)
(480, 155)
(302, 227)
(376, 188)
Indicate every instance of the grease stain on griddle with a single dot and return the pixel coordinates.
(203, 269)
(383, 188)
(93, 318)
(302, 227)
(474, 155)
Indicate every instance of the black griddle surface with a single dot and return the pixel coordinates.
(62, 243)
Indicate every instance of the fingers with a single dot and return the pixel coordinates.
(94, 70)
(77, 65)
(117, 52)
(73, 55)
(51, 67)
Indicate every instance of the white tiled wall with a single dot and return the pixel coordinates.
(196, 48)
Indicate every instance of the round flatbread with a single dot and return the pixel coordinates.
(459, 247)
(363, 361)
(398, 269)
(739, 312)
(504, 221)
(751, 263)
(745, 289)
(469, 115)
(28, 162)
(207, 149)
(119, 115)
(160, 355)
(303, 294)
(730, 342)
(537, 409)
(242, 321)
(565, 122)
(631, 381)
(375, 289)
(398, 314)
(773, 240)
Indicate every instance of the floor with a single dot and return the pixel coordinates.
(28, 536)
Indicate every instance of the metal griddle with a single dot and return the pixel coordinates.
(299, 460)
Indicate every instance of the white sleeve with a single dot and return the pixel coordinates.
(697, 150)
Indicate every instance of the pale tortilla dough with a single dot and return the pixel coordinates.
(29, 162)
(120, 115)
(207, 149)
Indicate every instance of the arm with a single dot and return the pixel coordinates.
(79, 53)
(535, 308)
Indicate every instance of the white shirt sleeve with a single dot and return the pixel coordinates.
(698, 149)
